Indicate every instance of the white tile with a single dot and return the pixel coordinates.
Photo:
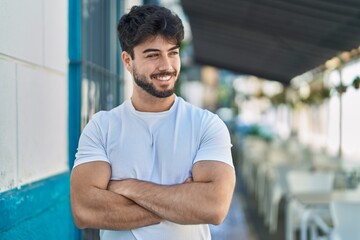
(8, 157)
(56, 34)
(21, 28)
(42, 101)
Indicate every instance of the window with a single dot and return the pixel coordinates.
(101, 62)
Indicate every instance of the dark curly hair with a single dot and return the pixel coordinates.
(144, 22)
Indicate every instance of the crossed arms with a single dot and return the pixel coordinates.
(98, 202)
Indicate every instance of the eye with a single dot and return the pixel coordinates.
(173, 53)
(152, 55)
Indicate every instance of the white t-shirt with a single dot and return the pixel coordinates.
(156, 147)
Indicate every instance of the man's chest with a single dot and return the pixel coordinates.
(164, 154)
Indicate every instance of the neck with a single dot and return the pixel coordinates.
(149, 103)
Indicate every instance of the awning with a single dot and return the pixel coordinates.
(272, 39)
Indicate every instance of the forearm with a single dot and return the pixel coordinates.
(103, 209)
(188, 203)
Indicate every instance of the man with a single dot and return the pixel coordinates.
(154, 167)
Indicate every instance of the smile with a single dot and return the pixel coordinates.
(163, 76)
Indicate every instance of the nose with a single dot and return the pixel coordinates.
(165, 64)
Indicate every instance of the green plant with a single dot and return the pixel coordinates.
(356, 82)
(341, 88)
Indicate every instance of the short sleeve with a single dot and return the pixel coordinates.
(92, 141)
(215, 143)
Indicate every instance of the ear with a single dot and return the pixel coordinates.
(126, 58)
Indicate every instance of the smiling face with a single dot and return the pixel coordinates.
(155, 67)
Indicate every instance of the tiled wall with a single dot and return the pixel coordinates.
(33, 90)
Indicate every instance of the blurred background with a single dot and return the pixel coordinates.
(283, 75)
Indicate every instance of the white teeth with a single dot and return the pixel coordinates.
(164, 78)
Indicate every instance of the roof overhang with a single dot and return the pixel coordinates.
(272, 39)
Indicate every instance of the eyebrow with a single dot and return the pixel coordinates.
(157, 50)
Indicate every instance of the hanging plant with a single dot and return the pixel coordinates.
(319, 96)
(341, 88)
(356, 82)
(325, 93)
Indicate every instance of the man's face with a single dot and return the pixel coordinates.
(156, 66)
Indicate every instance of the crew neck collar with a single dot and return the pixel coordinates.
(162, 113)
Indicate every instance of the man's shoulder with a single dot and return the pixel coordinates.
(103, 117)
(205, 116)
(187, 106)
(110, 113)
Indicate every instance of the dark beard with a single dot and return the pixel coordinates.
(140, 80)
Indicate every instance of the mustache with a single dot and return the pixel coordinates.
(163, 74)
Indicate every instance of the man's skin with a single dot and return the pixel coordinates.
(94, 206)
(206, 199)
(98, 202)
